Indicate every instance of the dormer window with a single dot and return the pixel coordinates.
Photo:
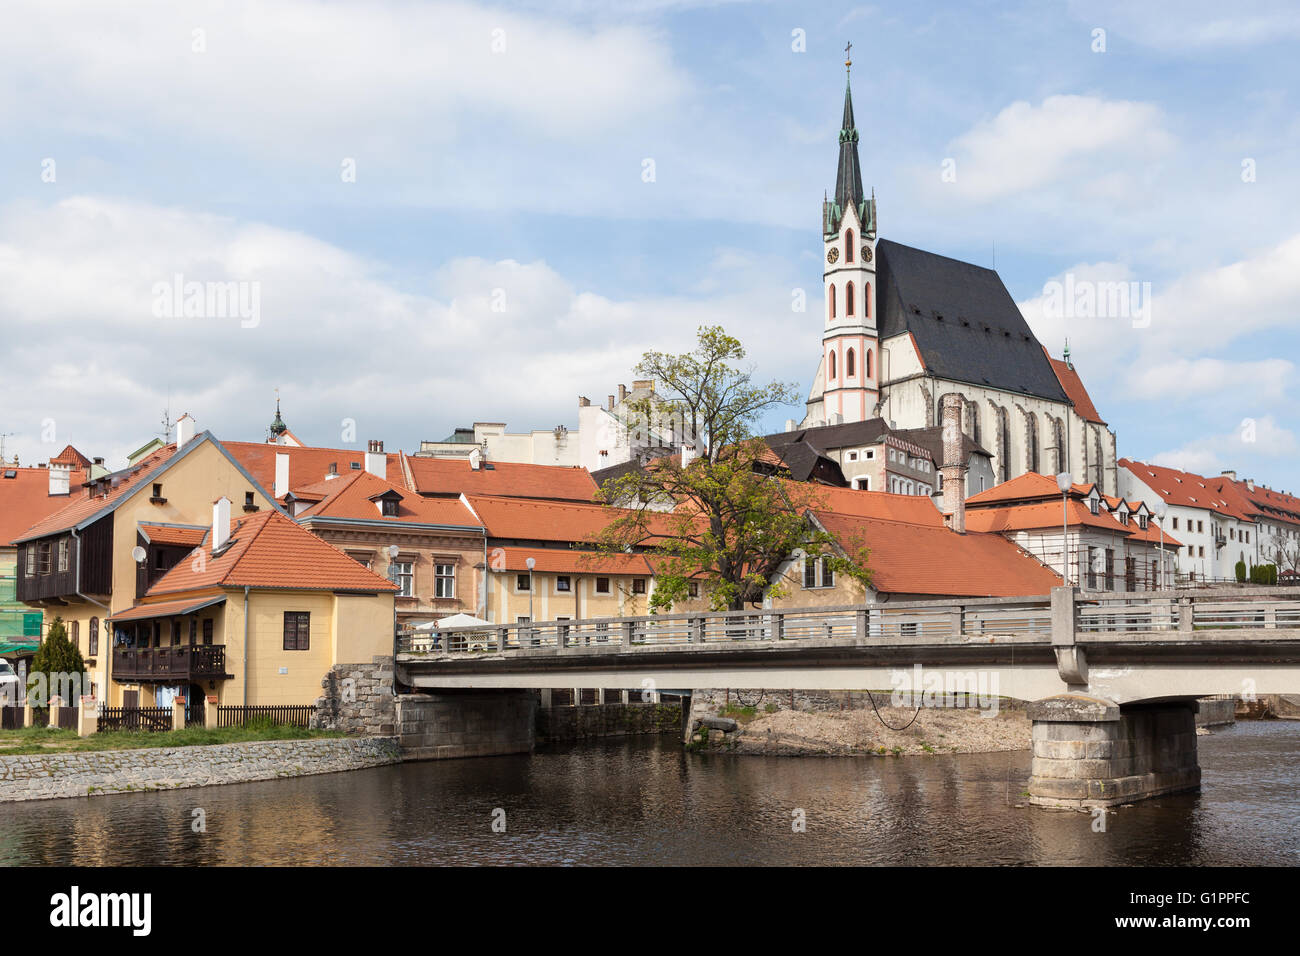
(389, 507)
(1094, 505)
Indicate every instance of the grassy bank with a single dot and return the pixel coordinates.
(39, 740)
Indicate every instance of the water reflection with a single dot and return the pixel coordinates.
(643, 801)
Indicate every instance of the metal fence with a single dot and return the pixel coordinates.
(141, 719)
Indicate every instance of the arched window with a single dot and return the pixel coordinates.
(848, 299)
(849, 364)
(832, 300)
(848, 246)
(832, 363)
(866, 300)
(866, 367)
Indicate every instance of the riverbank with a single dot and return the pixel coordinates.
(49, 776)
(897, 731)
(38, 740)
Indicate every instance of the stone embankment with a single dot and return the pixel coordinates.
(91, 773)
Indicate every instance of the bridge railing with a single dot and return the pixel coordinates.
(1227, 608)
(901, 621)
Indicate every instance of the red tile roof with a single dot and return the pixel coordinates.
(915, 509)
(1074, 390)
(1258, 503)
(922, 559)
(268, 550)
(1190, 490)
(350, 497)
(25, 499)
(79, 508)
(307, 466)
(70, 456)
(1045, 514)
(523, 519)
(142, 612)
(454, 476)
(168, 534)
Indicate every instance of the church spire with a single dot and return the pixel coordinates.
(278, 427)
(848, 178)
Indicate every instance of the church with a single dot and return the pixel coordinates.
(903, 328)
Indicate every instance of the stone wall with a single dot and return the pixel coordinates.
(556, 724)
(358, 699)
(91, 773)
(772, 699)
(472, 724)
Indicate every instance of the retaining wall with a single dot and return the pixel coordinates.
(91, 773)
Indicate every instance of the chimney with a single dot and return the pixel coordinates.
(611, 403)
(376, 460)
(333, 471)
(645, 383)
(622, 393)
(583, 401)
(1231, 475)
(953, 465)
(689, 454)
(220, 523)
(281, 474)
(1250, 485)
(60, 479)
(476, 459)
(789, 424)
(186, 428)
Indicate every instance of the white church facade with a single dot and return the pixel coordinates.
(902, 328)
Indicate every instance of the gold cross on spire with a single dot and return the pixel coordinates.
(848, 50)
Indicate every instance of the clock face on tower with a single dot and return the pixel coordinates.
(866, 253)
(833, 256)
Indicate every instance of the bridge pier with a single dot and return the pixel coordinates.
(466, 724)
(1091, 752)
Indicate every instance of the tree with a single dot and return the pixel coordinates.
(733, 523)
(57, 665)
(1240, 570)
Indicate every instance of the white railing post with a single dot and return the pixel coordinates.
(860, 620)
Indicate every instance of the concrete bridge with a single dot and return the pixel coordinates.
(1113, 677)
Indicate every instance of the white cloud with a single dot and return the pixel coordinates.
(1210, 379)
(1253, 443)
(1192, 26)
(495, 340)
(1026, 147)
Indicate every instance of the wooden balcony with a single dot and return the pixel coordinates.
(177, 664)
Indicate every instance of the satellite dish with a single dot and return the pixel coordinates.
(138, 554)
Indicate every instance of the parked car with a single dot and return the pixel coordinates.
(9, 686)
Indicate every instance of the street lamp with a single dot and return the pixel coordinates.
(1064, 482)
(1160, 510)
(530, 564)
(393, 550)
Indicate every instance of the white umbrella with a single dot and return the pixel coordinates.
(460, 620)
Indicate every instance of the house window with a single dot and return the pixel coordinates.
(832, 363)
(563, 583)
(405, 578)
(693, 589)
(850, 368)
(31, 559)
(194, 631)
(176, 631)
(92, 645)
(63, 554)
(848, 299)
(390, 507)
(828, 576)
(817, 573)
(853, 456)
(207, 631)
(810, 572)
(1175, 524)
(43, 564)
(638, 585)
(523, 582)
(1093, 504)
(602, 585)
(444, 580)
(297, 630)
(74, 633)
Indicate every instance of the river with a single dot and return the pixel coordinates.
(643, 801)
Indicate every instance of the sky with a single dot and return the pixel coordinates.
(440, 213)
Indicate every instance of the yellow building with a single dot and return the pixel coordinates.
(256, 614)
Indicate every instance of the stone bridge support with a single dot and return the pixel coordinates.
(1091, 752)
(466, 724)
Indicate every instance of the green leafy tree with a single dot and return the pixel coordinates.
(733, 522)
(56, 660)
(1240, 570)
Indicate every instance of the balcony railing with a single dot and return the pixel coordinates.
(177, 663)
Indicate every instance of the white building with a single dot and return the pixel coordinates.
(902, 328)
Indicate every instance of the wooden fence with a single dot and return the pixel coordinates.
(149, 719)
(288, 715)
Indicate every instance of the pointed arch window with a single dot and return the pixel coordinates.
(866, 300)
(850, 364)
(832, 363)
(832, 300)
(848, 246)
(866, 364)
(848, 299)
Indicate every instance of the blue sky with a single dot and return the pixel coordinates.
(500, 252)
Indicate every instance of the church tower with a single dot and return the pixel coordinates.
(850, 343)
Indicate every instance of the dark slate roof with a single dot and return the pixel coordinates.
(845, 434)
(964, 320)
(807, 463)
(848, 178)
(931, 439)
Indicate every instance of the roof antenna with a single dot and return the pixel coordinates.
(167, 422)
